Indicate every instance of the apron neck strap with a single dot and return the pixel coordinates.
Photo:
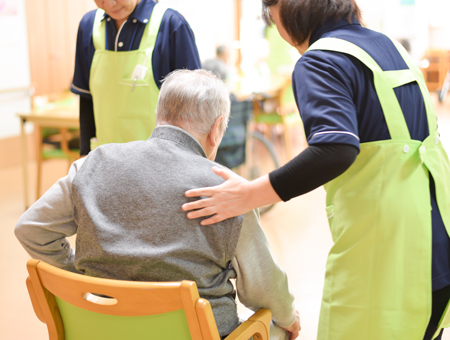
(98, 31)
(384, 82)
(152, 28)
(431, 114)
(148, 38)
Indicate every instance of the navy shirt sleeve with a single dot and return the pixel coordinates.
(175, 47)
(315, 166)
(83, 56)
(324, 94)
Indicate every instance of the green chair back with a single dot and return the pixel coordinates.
(81, 324)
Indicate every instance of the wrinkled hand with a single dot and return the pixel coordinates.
(294, 329)
(226, 200)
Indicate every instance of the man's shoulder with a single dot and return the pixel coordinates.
(112, 153)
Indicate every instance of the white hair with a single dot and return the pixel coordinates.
(193, 100)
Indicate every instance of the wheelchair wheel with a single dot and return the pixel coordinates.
(260, 159)
(443, 92)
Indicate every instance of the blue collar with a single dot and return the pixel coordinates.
(141, 13)
(330, 25)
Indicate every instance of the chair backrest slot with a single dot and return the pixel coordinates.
(99, 300)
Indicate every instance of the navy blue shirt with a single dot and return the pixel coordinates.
(338, 104)
(175, 46)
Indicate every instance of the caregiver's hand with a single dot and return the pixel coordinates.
(234, 197)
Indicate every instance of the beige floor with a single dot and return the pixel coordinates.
(297, 231)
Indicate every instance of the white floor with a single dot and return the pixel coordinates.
(297, 231)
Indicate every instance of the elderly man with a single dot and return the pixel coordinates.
(123, 202)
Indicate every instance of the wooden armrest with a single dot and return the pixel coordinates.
(263, 315)
(35, 301)
(258, 326)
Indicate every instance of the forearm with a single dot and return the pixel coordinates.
(312, 168)
(315, 166)
(43, 228)
(260, 282)
(45, 245)
(260, 193)
(87, 125)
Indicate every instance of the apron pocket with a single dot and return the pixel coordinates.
(136, 102)
(130, 83)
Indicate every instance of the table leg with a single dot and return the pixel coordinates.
(38, 131)
(24, 160)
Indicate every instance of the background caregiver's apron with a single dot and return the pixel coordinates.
(124, 108)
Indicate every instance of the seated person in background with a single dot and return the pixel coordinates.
(231, 152)
(220, 63)
(123, 202)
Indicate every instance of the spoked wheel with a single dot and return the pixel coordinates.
(443, 93)
(260, 159)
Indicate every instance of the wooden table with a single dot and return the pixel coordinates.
(61, 118)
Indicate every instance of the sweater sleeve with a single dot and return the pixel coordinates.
(316, 165)
(261, 282)
(43, 228)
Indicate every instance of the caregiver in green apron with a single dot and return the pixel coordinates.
(373, 142)
(124, 49)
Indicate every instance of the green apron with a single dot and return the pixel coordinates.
(378, 274)
(124, 109)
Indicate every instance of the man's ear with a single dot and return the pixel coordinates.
(156, 119)
(215, 136)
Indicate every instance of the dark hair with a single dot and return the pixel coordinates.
(301, 17)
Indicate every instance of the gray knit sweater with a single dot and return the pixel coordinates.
(124, 204)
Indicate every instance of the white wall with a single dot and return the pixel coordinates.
(440, 24)
(211, 20)
(425, 24)
(10, 104)
(14, 66)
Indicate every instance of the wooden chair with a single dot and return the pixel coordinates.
(279, 109)
(52, 141)
(435, 65)
(62, 150)
(80, 307)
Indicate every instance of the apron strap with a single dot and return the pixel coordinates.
(393, 113)
(98, 31)
(148, 38)
(400, 77)
(431, 114)
(152, 28)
